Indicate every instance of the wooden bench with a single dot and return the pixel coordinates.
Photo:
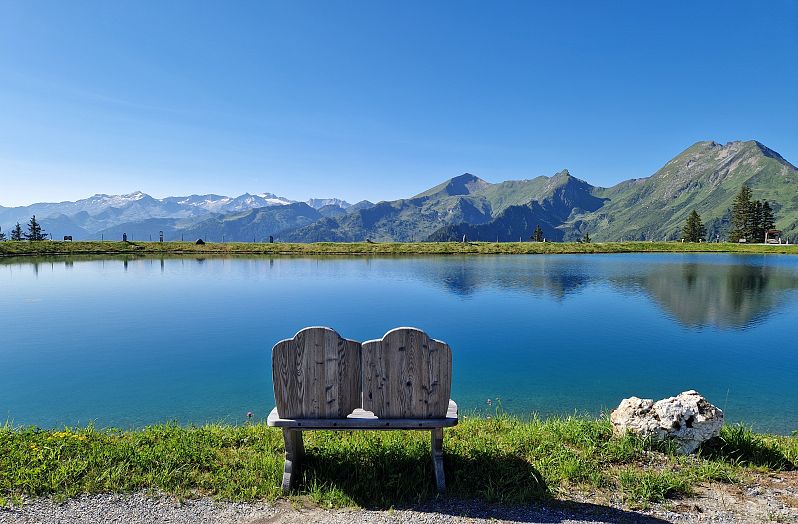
(323, 381)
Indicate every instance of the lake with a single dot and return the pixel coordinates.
(129, 342)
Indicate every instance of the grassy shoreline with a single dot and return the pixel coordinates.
(9, 249)
(501, 459)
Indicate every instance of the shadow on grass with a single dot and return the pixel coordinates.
(738, 444)
(391, 477)
(486, 484)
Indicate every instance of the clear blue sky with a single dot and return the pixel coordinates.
(378, 99)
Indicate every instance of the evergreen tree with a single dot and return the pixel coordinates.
(757, 231)
(742, 216)
(768, 219)
(16, 233)
(35, 232)
(694, 230)
(537, 236)
(2, 235)
(586, 238)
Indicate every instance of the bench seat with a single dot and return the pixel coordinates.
(361, 419)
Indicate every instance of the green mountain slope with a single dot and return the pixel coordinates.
(455, 201)
(705, 177)
(465, 184)
(519, 206)
(559, 194)
(513, 224)
(458, 205)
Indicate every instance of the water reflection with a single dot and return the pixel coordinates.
(725, 296)
(723, 291)
(540, 275)
(737, 294)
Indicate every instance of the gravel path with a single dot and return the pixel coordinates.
(142, 509)
(771, 498)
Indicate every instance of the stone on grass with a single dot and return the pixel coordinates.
(688, 419)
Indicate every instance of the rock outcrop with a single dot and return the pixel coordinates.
(688, 419)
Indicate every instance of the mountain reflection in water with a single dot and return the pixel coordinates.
(721, 293)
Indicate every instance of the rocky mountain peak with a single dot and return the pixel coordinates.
(466, 184)
(318, 203)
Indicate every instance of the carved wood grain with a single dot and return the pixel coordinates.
(406, 374)
(316, 374)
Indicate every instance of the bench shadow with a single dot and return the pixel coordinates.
(484, 484)
(547, 512)
(381, 477)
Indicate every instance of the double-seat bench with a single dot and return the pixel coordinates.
(323, 381)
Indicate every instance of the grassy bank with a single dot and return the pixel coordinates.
(387, 248)
(501, 459)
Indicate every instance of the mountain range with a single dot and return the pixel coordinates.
(705, 177)
(142, 216)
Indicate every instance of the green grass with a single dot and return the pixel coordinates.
(8, 249)
(502, 459)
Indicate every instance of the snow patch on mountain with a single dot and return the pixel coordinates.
(318, 203)
(100, 211)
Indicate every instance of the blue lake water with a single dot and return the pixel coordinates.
(132, 342)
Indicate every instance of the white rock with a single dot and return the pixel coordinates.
(688, 419)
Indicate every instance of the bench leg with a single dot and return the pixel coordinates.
(294, 451)
(437, 459)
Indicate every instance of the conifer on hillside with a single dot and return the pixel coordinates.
(742, 218)
(750, 219)
(694, 230)
(16, 233)
(768, 219)
(537, 236)
(35, 232)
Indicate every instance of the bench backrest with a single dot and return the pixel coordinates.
(316, 374)
(406, 374)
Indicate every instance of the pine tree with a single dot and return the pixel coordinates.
(586, 238)
(742, 216)
(16, 233)
(694, 230)
(768, 219)
(757, 231)
(537, 236)
(35, 232)
(2, 235)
